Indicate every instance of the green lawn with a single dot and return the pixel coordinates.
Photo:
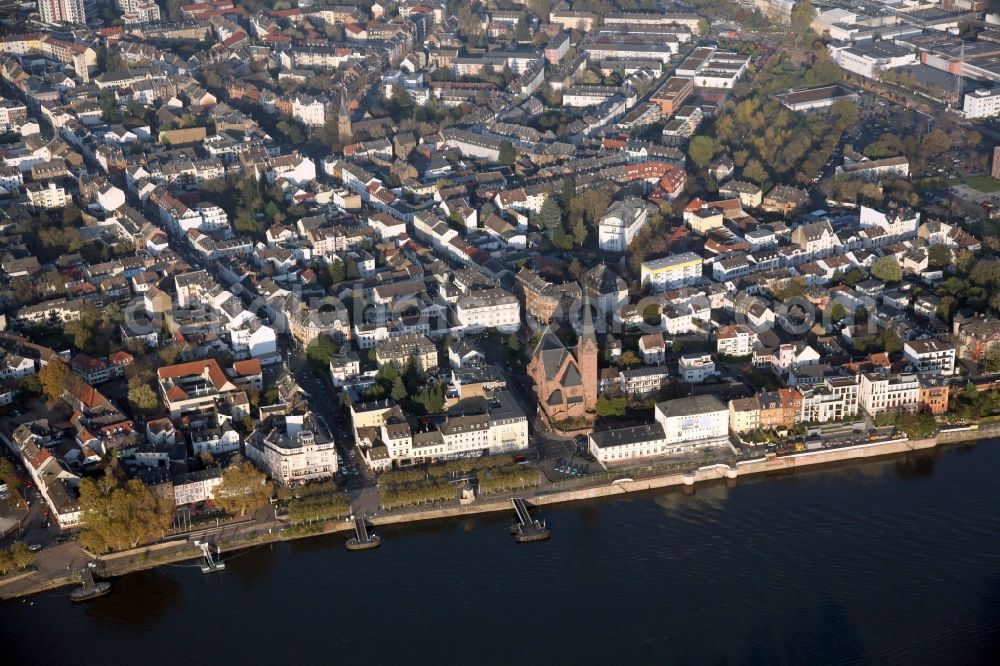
(984, 184)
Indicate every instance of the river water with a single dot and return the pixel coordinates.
(893, 561)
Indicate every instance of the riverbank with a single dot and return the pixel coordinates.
(172, 552)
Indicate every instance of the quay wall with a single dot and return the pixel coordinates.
(155, 555)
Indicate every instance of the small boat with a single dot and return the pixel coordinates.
(88, 588)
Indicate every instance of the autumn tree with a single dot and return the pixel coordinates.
(119, 517)
(15, 558)
(628, 359)
(243, 488)
(802, 16)
(142, 398)
(702, 149)
(887, 269)
(54, 377)
(754, 172)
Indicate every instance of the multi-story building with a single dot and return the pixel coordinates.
(62, 11)
(399, 350)
(879, 394)
(695, 368)
(934, 394)
(489, 308)
(49, 195)
(621, 222)
(833, 399)
(869, 58)
(976, 337)
(13, 114)
(781, 409)
(931, 356)
(624, 444)
(679, 270)
(644, 381)
(897, 223)
(652, 348)
(557, 47)
(196, 386)
(294, 451)
(744, 414)
(696, 421)
(737, 340)
(672, 94)
(386, 438)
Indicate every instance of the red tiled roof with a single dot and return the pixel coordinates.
(247, 367)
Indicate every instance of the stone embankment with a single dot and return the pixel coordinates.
(159, 554)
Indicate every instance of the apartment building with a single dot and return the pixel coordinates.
(744, 415)
(399, 350)
(652, 349)
(889, 393)
(736, 340)
(62, 11)
(679, 270)
(695, 368)
(49, 195)
(931, 356)
(196, 386)
(386, 438)
(781, 409)
(489, 309)
(621, 223)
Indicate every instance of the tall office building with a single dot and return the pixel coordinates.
(62, 11)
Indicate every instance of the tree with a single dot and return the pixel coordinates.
(54, 377)
(513, 343)
(142, 398)
(802, 16)
(243, 488)
(507, 154)
(702, 149)
(567, 192)
(838, 313)
(119, 517)
(8, 474)
(628, 359)
(887, 269)
(754, 171)
(138, 373)
(320, 350)
(549, 215)
(15, 558)
(398, 392)
(610, 406)
(521, 32)
(939, 256)
(891, 342)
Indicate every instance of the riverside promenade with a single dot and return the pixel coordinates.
(49, 572)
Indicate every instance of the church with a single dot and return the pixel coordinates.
(566, 377)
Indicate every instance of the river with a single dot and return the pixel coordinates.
(893, 561)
